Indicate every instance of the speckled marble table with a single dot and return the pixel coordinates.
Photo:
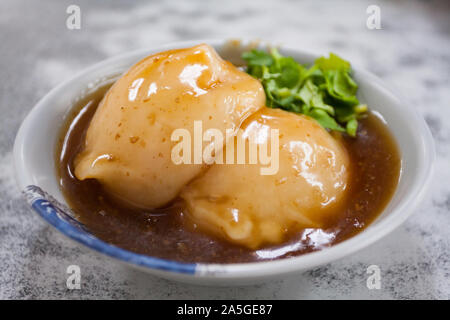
(411, 52)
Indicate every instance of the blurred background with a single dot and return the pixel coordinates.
(410, 52)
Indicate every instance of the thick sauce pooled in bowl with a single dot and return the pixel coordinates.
(374, 164)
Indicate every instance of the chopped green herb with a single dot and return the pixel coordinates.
(325, 91)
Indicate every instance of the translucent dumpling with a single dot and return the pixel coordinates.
(128, 143)
(240, 204)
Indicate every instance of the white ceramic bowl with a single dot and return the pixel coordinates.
(34, 157)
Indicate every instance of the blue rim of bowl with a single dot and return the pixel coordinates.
(57, 215)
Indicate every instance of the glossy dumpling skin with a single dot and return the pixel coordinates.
(238, 204)
(128, 143)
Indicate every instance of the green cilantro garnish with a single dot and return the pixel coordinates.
(324, 91)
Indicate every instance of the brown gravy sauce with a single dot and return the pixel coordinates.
(162, 233)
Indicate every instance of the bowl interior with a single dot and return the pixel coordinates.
(37, 139)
